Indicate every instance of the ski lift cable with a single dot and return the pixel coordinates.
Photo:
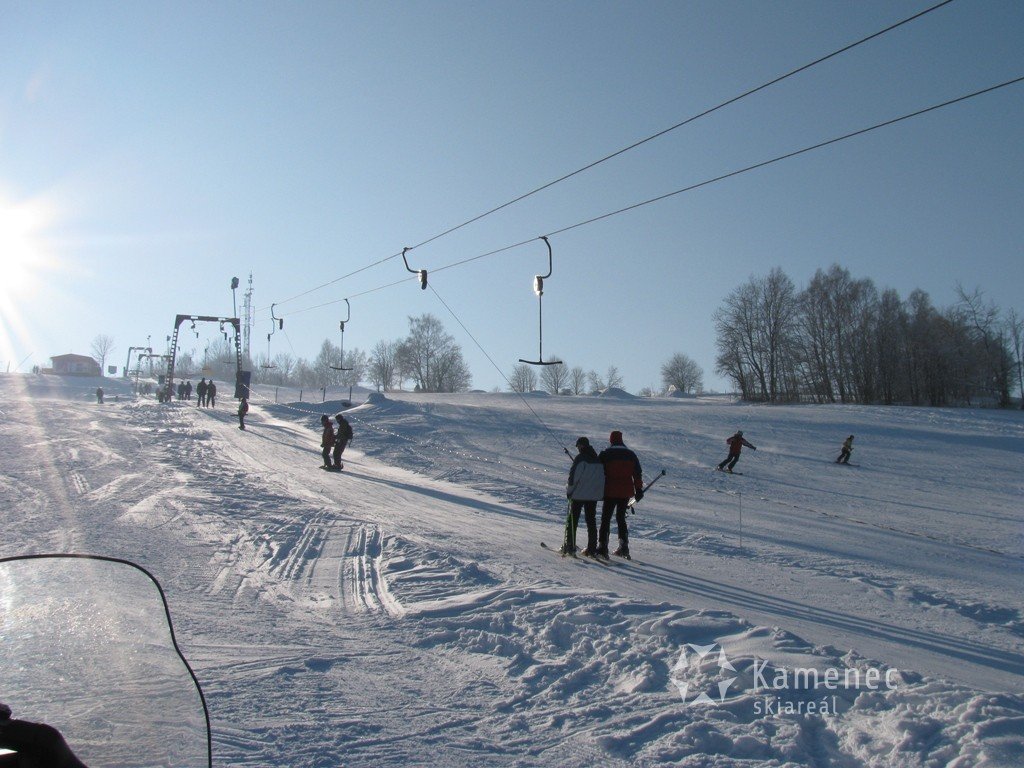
(501, 373)
(705, 183)
(750, 92)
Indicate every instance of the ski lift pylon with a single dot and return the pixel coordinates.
(538, 288)
(421, 272)
(341, 361)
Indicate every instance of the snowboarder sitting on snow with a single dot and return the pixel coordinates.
(623, 478)
(243, 408)
(736, 443)
(844, 454)
(343, 438)
(584, 487)
(327, 441)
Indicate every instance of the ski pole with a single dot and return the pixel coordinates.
(657, 477)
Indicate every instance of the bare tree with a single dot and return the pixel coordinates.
(383, 365)
(102, 346)
(433, 358)
(683, 373)
(1015, 329)
(577, 380)
(523, 378)
(554, 377)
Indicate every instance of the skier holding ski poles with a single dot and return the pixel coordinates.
(584, 487)
(844, 454)
(623, 478)
(736, 443)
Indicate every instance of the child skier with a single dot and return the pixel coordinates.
(327, 441)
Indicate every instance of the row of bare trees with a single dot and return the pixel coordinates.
(841, 340)
(428, 357)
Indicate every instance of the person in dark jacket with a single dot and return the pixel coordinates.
(342, 439)
(623, 478)
(243, 408)
(201, 393)
(583, 489)
(327, 441)
(211, 394)
(847, 449)
(736, 443)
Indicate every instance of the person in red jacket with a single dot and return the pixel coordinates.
(736, 443)
(327, 441)
(623, 478)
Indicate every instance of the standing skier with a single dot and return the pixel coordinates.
(844, 454)
(201, 393)
(584, 487)
(211, 394)
(342, 439)
(736, 443)
(327, 441)
(243, 408)
(623, 478)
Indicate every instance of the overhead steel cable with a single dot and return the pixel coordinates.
(682, 123)
(705, 183)
(634, 145)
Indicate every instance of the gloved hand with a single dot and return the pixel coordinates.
(36, 744)
(639, 495)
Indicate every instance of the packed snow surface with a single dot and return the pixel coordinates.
(402, 612)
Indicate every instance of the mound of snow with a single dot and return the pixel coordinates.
(616, 393)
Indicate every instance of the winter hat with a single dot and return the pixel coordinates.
(582, 442)
(615, 438)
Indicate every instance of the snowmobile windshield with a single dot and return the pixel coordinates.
(86, 645)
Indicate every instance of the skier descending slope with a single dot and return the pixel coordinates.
(736, 443)
(623, 478)
(584, 487)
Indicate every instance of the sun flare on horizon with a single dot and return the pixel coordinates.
(25, 260)
(24, 254)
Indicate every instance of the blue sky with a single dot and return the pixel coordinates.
(151, 151)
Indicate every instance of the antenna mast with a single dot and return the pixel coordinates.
(247, 321)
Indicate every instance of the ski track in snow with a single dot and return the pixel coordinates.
(400, 612)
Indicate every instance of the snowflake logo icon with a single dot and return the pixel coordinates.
(693, 659)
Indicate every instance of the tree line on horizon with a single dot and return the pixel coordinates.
(841, 340)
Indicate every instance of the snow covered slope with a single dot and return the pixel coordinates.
(402, 612)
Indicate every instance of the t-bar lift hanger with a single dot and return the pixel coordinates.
(421, 272)
(341, 361)
(538, 288)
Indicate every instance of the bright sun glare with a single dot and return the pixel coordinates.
(22, 252)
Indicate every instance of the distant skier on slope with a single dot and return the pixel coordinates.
(736, 443)
(327, 441)
(844, 454)
(243, 408)
(583, 489)
(342, 439)
(623, 478)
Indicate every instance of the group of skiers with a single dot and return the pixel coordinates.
(614, 477)
(333, 444)
(206, 393)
